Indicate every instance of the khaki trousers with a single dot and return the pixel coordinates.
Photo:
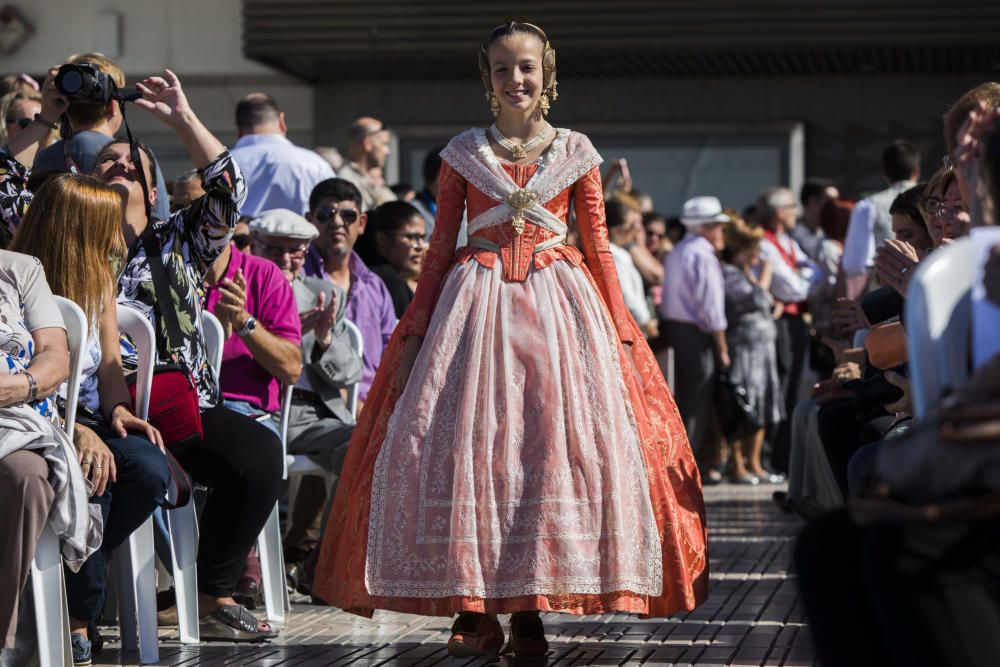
(25, 500)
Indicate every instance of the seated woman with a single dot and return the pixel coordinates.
(75, 221)
(39, 475)
(751, 338)
(237, 458)
(393, 247)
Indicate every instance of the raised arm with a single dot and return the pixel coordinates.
(207, 224)
(588, 203)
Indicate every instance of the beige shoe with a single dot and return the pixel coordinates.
(167, 617)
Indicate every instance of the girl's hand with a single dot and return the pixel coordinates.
(123, 421)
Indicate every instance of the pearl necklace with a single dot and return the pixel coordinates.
(519, 151)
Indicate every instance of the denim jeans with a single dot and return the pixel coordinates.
(141, 486)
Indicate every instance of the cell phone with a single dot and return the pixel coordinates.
(623, 163)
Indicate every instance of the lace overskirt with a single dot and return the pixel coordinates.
(512, 464)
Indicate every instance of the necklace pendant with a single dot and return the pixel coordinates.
(518, 222)
(519, 152)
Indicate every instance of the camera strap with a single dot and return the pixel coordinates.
(133, 147)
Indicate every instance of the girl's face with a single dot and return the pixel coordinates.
(404, 248)
(516, 72)
(911, 231)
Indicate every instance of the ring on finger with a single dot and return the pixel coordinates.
(98, 465)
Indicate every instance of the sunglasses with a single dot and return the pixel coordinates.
(20, 122)
(326, 215)
(941, 209)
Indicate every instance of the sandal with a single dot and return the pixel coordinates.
(475, 635)
(233, 623)
(527, 636)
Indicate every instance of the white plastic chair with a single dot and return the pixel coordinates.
(272, 564)
(47, 582)
(135, 560)
(183, 521)
(303, 465)
(939, 322)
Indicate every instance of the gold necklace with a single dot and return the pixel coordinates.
(519, 151)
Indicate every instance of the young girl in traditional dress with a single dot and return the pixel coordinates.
(519, 450)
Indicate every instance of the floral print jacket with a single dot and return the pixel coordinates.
(190, 240)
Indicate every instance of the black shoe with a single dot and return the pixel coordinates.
(780, 499)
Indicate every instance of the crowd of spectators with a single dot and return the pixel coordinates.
(779, 329)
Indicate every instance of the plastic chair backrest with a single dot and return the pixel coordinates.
(76, 334)
(132, 323)
(214, 341)
(939, 323)
(358, 345)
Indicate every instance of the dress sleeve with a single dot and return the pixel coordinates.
(588, 204)
(451, 206)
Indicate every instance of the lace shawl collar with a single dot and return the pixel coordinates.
(570, 156)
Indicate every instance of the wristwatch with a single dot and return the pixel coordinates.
(248, 328)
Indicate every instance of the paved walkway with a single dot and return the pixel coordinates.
(752, 616)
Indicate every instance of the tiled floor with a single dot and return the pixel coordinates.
(752, 616)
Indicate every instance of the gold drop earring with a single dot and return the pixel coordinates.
(543, 104)
(494, 103)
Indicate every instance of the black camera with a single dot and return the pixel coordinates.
(83, 82)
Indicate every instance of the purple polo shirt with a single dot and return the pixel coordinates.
(693, 285)
(369, 307)
(271, 301)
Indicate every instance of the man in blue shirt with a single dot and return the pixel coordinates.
(279, 174)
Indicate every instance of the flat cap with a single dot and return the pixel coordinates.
(280, 222)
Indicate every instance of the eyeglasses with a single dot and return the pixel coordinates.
(415, 239)
(942, 209)
(20, 122)
(326, 215)
(279, 250)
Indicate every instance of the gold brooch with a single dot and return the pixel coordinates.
(521, 200)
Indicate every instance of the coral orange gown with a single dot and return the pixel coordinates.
(535, 459)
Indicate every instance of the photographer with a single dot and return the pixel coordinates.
(239, 459)
(93, 119)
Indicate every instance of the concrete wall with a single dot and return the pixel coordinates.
(847, 120)
(200, 40)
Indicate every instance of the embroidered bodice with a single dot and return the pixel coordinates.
(472, 177)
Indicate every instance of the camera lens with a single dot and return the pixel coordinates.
(72, 82)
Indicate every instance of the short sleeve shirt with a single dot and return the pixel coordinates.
(26, 305)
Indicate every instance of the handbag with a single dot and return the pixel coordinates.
(174, 406)
(735, 412)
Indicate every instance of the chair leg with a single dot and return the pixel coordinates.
(183, 524)
(51, 612)
(137, 586)
(272, 566)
